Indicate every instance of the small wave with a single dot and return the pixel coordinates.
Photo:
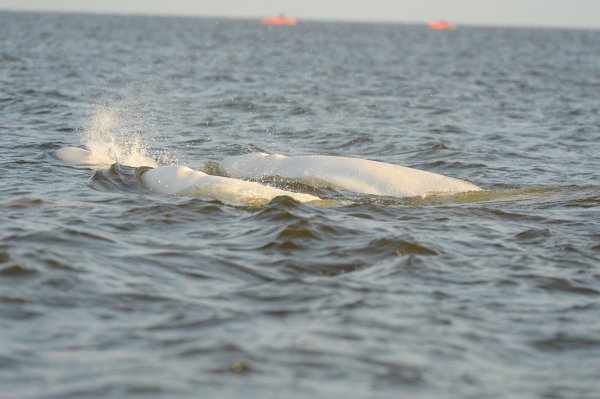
(564, 342)
(454, 165)
(433, 147)
(237, 149)
(585, 202)
(4, 257)
(562, 285)
(398, 247)
(65, 129)
(300, 110)
(533, 234)
(65, 235)
(446, 128)
(25, 203)
(118, 178)
(17, 271)
(239, 104)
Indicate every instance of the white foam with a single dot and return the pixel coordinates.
(176, 179)
(351, 174)
(110, 138)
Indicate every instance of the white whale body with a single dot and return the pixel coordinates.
(176, 179)
(75, 155)
(350, 174)
(80, 156)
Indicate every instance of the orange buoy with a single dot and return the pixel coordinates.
(280, 20)
(441, 25)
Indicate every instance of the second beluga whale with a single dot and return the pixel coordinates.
(176, 179)
(350, 174)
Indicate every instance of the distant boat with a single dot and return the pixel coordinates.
(441, 25)
(280, 20)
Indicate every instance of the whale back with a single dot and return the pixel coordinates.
(176, 179)
(75, 155)
(351, 174)
(80, 156)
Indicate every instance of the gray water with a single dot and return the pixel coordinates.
(108, 290)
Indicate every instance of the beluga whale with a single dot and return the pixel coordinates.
(176, 179)
(232, 185)
(349, 174)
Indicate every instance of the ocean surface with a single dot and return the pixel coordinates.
(109, 290)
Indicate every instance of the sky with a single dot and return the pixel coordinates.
(544, 13)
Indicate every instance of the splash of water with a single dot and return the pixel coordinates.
(111, 139)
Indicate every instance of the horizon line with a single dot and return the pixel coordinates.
(300, 19)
